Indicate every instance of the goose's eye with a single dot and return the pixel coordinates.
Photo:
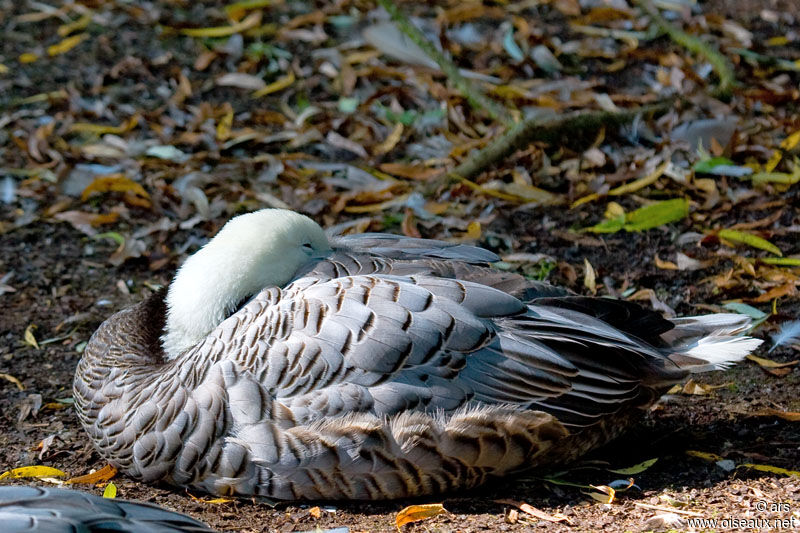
(307, 248)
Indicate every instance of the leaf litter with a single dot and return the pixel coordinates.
(143, 129)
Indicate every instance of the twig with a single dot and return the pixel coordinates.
(551, 131)
(472, 93)
(719, 62)
(667, 509)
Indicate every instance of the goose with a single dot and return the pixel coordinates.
(284, 364)
(50, 510)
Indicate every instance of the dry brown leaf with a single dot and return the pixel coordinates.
(533, 511)
(769, 363)
(414, 172)
(12, 379)
(93, 478)
(315, 511)
(416, 513)
(114, 183)
(700, 389)
(791, 416)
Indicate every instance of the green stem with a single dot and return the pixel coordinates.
(560, 130)
(719, 62)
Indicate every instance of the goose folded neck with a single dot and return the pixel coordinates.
(251, 252)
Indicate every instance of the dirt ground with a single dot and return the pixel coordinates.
(63, 286)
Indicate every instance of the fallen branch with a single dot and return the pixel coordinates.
(555, 130)
(475, 97)
(718, 61)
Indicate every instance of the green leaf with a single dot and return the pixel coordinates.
(781, 261)
(348, 105)
(707, 165)
(749, 239)
(744, 309)
(657, 214)
(635, 469)
(644, 218)
(609, 225)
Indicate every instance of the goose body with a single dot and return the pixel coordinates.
(285, 365)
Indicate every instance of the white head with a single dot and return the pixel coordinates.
(251, 252)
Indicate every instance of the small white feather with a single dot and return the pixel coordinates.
(789, 332)
(721, 352)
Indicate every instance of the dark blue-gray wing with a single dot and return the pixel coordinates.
(52, 510)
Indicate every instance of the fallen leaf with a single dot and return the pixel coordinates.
(416, 513)
(32, 472)
(791, 416)
(769, 363)
(771, 469)
(601, 493)
(67, 44)
(113, 183)
(251, 21)
(315, 512)
(700, 389)
(28, 336)
(712, 457)
(533, 511)
(277, 85)
(110, 491)
(664, 265)
(12, 379)
(98, 476)
(749, 239)
(589, 277)
(635, 469)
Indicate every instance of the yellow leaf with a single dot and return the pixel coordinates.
(665, 265)
(391, 140)
(601, 493)
(315, 511)
(774, 159)
(589, 277)
(102, 129)
(700, 389)
(3, 69)
(237, 10)
(771, 469)
(251, 21)
(635, 469)
(30, 340)
(791, 416)
(110, 491)
(113, 183)
(778, 40)
(641, 182)
(791, 141)
(415, 513)
(78, 24)
(224, 126)
(98, 476)
(769, 363)
(473, 230)
(750, 240)
(614, 210)
(67, 44)
(277, 85)
(32, 471)
(28, 57)
(711, 457)
(13, 380)
(214, 501)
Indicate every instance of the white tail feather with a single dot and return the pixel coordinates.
(720, 352)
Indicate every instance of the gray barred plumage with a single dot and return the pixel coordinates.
(386, 367)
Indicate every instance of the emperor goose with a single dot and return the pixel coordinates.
(283, 364)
